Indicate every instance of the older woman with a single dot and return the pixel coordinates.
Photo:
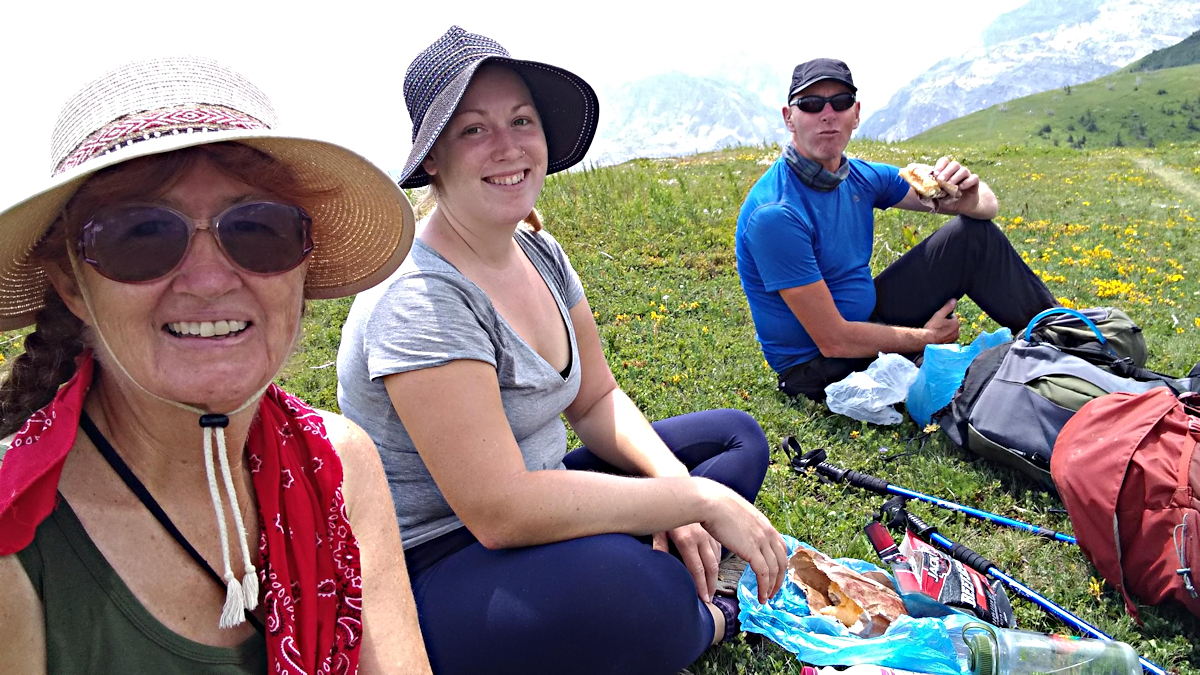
(517, 569)
(171, 256)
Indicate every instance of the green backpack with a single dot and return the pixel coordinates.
(1017, 396)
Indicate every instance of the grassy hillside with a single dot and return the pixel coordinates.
(1124, 109)
(1184, 53)
(653, 243)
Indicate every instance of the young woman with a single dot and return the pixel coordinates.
(517, 565)
(171, 256)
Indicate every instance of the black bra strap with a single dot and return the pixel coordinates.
(139, 490)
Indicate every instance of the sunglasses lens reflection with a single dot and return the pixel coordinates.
(142, 243)
(815, 104)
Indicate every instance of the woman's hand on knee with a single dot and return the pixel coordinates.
(701, 554)
(743, 529)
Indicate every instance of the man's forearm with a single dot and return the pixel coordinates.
(859, 339)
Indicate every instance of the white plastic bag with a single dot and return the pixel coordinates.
(869, 396)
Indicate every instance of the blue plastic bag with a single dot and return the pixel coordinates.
(917, 645)
(942, 372)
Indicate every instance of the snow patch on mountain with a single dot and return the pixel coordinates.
(677, 114)
(1084, 40)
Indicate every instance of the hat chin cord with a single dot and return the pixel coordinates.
(242, 596)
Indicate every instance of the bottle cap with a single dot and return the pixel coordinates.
(983, 654)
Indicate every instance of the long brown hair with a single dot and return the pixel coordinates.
(59, 336)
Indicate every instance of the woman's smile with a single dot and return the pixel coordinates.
(207, 329)
(510, 179)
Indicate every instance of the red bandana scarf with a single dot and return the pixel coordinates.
(309, 572)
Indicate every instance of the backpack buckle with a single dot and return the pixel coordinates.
(1186, 574)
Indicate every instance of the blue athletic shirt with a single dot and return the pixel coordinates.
(789, 235)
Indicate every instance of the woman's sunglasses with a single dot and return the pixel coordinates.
(141, 243)
(815, 104)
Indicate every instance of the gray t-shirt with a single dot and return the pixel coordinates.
(428, 314)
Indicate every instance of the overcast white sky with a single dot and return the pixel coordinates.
(335, 69)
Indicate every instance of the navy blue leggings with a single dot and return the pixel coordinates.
(602, 604)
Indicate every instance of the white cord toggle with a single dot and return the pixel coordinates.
(249, 585)
(234, 611)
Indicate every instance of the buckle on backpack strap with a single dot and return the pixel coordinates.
(1186, 573)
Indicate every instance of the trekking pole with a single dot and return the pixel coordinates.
(815, 459)
(984, 566)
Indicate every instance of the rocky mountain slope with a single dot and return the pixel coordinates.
(676, 114)
(1045, 44)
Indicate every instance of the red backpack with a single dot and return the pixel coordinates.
(1128, 470)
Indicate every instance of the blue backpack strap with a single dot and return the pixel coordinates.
(1053, 311)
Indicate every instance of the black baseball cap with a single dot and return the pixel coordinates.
(811, 72)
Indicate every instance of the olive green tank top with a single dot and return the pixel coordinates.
(94, 624)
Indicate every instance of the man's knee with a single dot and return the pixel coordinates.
(971, 228)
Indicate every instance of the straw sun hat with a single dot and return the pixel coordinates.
(360, 236)
(437, 79)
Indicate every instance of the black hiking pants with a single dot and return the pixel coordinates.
(964, 257)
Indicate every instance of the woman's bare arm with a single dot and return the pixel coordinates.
(456, 419)
(392, 640)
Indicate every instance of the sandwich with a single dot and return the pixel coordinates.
(862, 604)
(924, 181)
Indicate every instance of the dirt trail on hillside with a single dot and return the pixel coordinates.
(1174, 179)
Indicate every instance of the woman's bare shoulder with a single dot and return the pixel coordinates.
(348, 439)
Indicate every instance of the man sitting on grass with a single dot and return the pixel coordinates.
(804, 240)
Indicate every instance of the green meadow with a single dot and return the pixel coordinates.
(1129, 108)
(653, 242)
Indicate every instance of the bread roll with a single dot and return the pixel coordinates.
(924, 181)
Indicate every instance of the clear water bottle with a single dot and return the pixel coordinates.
(999, 651)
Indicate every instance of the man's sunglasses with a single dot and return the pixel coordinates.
(141, 243)
(815, 104)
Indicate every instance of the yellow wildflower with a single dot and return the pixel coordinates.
(1094, 588)
(854, 434)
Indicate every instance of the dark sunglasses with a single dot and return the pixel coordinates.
(815, 104)
(140, 243)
